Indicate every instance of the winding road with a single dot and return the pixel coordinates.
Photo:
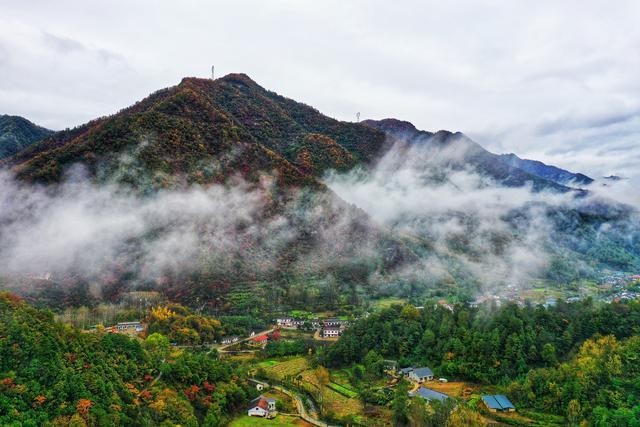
(302, 411)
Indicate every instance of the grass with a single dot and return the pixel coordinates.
(267, 363)
(342, 390)
(388, 302)
(279, 421)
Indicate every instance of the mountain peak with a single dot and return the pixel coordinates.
(232, 78)
(391, 125)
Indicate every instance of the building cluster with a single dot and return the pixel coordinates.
(129, 328)
(333, 328)
(294, 323)
(620, 287)
(329, 328)
(230, 339)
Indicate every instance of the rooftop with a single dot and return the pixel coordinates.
(428, 394)
(497, 401)
(423, 372)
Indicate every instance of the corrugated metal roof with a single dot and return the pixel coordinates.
(491, 402)
(504, 402)
(428, 394)
(423, 372)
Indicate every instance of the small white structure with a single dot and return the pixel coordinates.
(331, 332)
(130, 326)
(231, 339)
(262, 407)
(418, 375)
(443, 380)
(290, 322)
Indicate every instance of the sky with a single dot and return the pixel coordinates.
(554, 81)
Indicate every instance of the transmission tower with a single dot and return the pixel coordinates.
(358, 116)
(213, 68)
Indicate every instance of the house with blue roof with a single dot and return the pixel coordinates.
(418, 375)
(421, 375)
(498, 403)
(429, 395)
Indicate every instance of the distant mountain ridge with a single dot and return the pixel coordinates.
(552, 173)
(18, 133)
(467, 153)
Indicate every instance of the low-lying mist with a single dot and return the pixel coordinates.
(422, 218)
(88, 228)
(501, 234)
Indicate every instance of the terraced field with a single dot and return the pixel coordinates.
(288, 368)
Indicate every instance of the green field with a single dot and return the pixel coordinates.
(388, 302)
(342, 390)
(267, 363)
(279, 421)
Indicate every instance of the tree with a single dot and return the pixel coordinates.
(400, 404)
(374, 363)
(548, 354)
(417, 413)
(573, 412)
(158, 347)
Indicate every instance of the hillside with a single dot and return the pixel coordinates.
(53, 374)
(227, 135)
(205, 131)
(545, 171)
(224, 193)
(18, 133)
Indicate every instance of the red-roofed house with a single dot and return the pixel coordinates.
(262, 407)
(260, 340)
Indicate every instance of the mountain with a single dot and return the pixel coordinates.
(552, 173)
(17, 133)
(205, 131)
(439, 184)
(224, 196)
(202, 132)
(461, 152)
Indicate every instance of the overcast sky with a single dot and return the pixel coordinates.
(556, 81)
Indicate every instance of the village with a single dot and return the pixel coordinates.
(614, 286)
(293, 389)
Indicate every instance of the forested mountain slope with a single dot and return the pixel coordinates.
(18, 133)
(53, 374)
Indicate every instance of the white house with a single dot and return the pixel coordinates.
(332, 322)
(230, 339)
(262, 407)
(418, 375)
(331, 332)
(130, 326)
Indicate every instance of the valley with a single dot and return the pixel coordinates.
(218, 254)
